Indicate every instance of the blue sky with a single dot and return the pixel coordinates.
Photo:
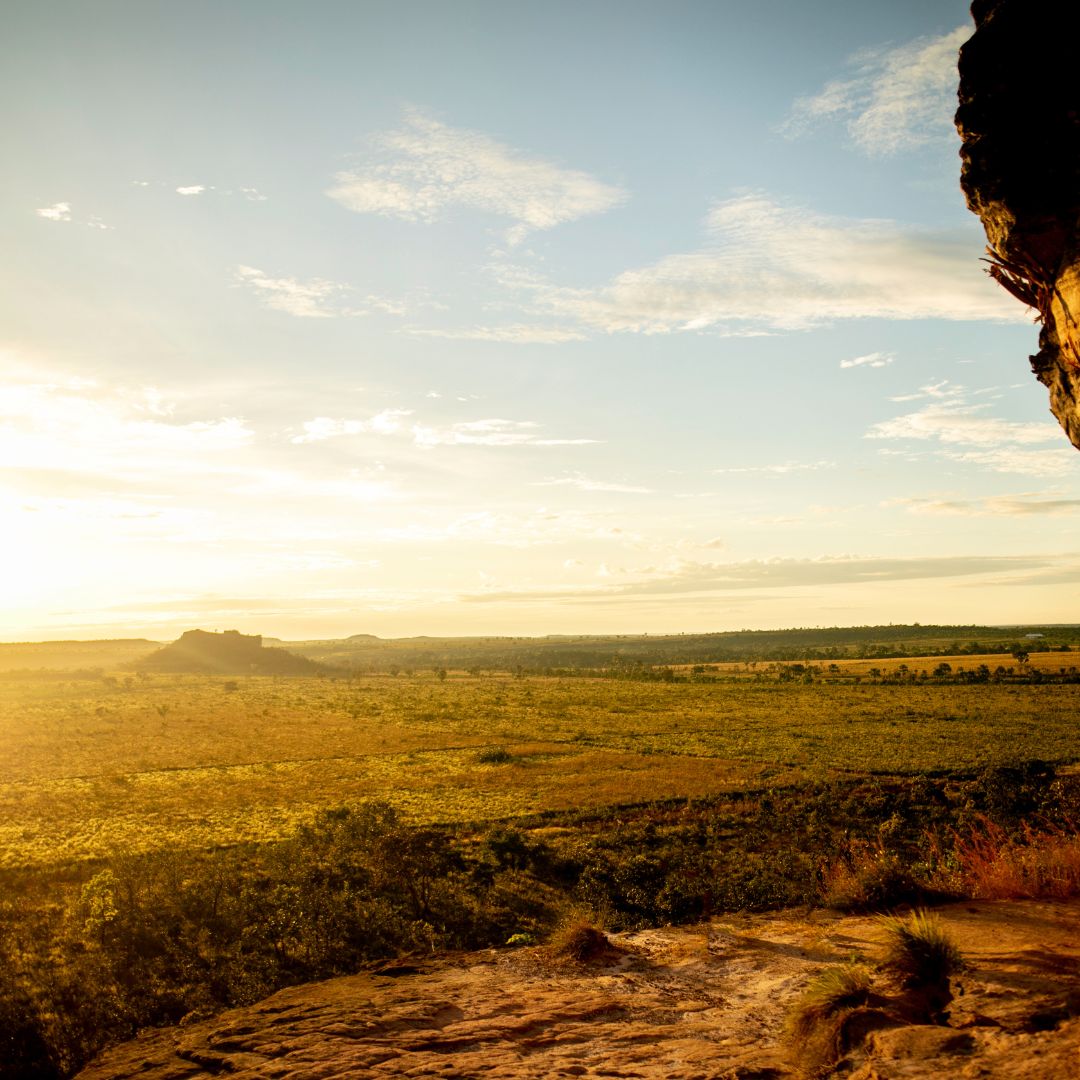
(504, 318)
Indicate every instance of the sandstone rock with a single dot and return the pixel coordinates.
(698, 1003)
(1019, 119)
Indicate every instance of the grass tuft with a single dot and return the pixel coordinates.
(579, 940)
(919, 950)
(816, 1026)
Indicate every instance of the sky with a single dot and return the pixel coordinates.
(507, 318)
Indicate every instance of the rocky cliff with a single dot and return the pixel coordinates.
(1019, 119)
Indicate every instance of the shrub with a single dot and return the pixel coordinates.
(816, 1027)
(918, 950)
(494, 755)
(868, 877)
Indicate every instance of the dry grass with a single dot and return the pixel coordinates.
(989, 864)
(918, 950)
(815, 1028)
(580, 940)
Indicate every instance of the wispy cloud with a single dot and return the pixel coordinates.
(963, 424)
(515, 333)
(493, 432)
(768, 267)
(315, 298)
(941, 390)
(1022, 505)
(426, 167)
(893, 100)
(965, 431)
(686, 577)
(584, 483)
(75, 426)
(780, 469)
(874, 360)
(537, 528)
(60, 211)
(191, 189)
(387, 422)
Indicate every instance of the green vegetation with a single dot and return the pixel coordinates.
(366, 653)
(171, 844)
(88, 765)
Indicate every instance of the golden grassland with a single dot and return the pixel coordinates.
(86, 767)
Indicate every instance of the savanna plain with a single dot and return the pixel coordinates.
(175, 843)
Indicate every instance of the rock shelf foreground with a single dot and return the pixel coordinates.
(690, 1003)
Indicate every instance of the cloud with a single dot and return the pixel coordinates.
(962, 424)
(193, 189)
(387, 422)
(685, 577)
(767, 267)
(252, 194)
(583, 483)
(492, 432)
(1023, 505)
(943, 389)
(538, 528)
(874, 360)
(781, 469)
(64, 427)
(60, 211)
(426, 167)
(390, 422)
(894, 100)
(516, 333)
(316, 298)
(964, 431)
(313, 299)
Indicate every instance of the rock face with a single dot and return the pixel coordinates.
(698, 1003)
(1019, 119)
(228, 653)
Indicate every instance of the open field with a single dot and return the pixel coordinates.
(87, 766)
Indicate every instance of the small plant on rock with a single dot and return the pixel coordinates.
(816, 1026)
(919, 950)
(579, 940)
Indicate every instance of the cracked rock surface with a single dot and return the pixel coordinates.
(690, 1003)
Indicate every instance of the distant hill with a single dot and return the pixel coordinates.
(228, 653)
(74, 655)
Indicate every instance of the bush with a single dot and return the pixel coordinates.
(869, 877)
(494, 755)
